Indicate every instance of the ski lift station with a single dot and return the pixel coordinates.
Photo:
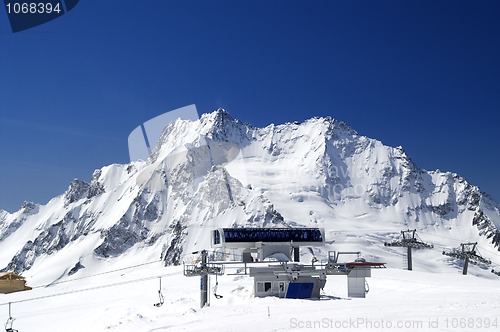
(266, 242)
(287, 278)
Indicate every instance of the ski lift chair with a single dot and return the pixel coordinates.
(8, 325)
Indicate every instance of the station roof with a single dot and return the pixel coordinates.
(298, 236)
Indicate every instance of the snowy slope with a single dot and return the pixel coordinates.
(399, 300)
(219, 172)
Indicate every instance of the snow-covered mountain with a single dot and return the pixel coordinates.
(220, 172)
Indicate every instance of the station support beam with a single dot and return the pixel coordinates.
(410, 262)
(204, 280)
(466, 265)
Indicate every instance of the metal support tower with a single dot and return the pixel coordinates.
(410, 260)
(203, 270)
(468, 253)
(410, 240)
(203, 280)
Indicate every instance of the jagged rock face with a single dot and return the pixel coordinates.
(51, 240)
(172, 251)
(131, 229)
(76, 191)
(218, 172)
(78, 266)
(96, 188)
(6, 229)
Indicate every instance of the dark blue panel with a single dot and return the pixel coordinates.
(300, 290)
(70, 4)
(272, 235)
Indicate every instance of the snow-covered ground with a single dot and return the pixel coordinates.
(420, 300)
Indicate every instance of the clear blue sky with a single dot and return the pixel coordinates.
(421, 74)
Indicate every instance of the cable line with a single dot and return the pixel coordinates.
(94, 275)
(90, 288)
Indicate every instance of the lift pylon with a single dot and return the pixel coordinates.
(410, 240)
(203, 270)
(468, 253)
